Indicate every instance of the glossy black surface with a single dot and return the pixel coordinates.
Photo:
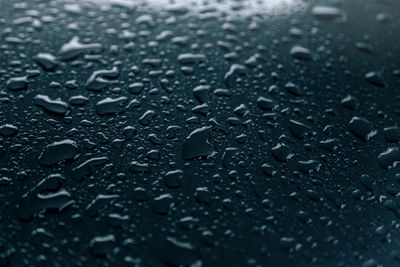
(199, 133)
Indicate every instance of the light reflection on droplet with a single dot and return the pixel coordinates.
(241, 8)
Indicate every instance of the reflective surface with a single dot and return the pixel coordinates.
(236, 8)
(189, 133)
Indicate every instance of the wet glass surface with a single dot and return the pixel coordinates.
(200, 133)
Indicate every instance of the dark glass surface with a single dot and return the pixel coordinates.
(200, 133)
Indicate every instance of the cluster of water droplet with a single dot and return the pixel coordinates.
(199, 137)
